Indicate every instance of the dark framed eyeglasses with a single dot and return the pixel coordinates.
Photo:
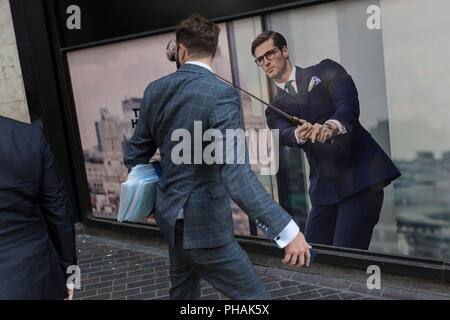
(268, 55)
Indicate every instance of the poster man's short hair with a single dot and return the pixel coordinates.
(278, 40)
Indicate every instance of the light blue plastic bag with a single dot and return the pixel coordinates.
(138, 192)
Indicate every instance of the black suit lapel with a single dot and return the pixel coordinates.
(301, 77)
(295, 106)
(285, 102)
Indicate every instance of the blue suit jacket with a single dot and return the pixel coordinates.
(33, 260)
(354, 160)
(193, 93)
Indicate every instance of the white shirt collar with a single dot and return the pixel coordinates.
(201, 64)
(291, 78)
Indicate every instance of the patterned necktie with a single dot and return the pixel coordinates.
(290, 89)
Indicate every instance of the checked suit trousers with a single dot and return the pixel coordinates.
(227, 268)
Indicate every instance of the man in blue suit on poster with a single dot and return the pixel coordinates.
(192, 204)
(347, 176)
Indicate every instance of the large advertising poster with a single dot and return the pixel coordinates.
(108, 82)
(402, 106)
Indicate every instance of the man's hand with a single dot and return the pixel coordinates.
(304, 131)
(70, 294)
(297, 252)
(322, 133)
(331, 131)
(319, 131)
(326, 133)
(316, 132)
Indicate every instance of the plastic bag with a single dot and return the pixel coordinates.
(138, 192)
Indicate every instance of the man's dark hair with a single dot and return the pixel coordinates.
(278, 40)
(198, 35)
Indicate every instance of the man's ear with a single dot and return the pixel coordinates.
(285, 51)
(182, 53)
(186, 54)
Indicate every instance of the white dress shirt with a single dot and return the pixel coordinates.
(201, 64)
(292, 78)
(291, 230)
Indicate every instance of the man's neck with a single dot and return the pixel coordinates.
(207, 61)
(286, 75)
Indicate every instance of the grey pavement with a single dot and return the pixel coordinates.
(117, 270)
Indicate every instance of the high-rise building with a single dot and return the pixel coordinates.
(109, 133)
(130, 109)
(105, 181)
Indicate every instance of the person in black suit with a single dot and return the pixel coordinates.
(33, 260)
(347, 176)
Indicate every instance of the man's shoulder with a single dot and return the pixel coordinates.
(222, 85)
(324, 63)
(327, 67)
(206, 83)
(22, 136)
(4, 121)
(8, 124)
(159, 82)
(175, 78)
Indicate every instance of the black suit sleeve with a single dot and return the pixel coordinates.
(56, 209)
(286, 129)
(343, 92)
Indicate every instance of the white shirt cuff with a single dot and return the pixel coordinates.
(299, 141)
(70, 285)
(341, 128)
(287, 235)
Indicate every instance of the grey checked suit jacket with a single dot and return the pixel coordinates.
(193, 93)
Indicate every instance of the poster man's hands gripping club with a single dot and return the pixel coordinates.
(317, 132)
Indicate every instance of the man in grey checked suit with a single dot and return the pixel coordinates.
(192, 207)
